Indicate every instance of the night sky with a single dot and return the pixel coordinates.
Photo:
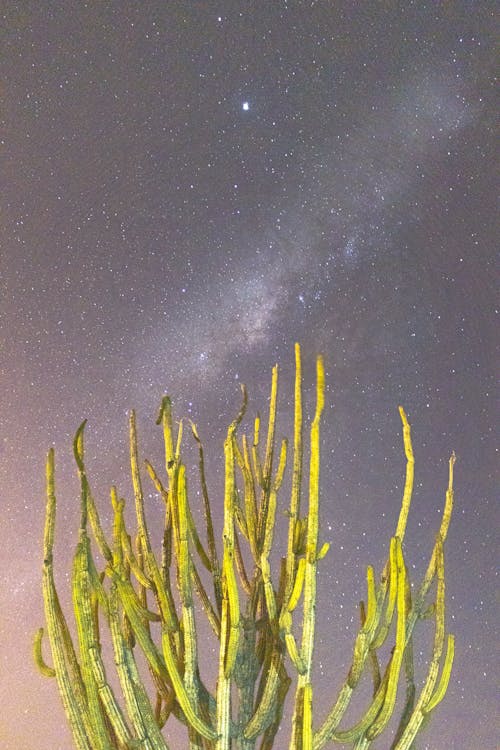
(188, 188)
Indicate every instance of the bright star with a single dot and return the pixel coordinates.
(246, 106)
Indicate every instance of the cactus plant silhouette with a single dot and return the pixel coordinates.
(264, 652)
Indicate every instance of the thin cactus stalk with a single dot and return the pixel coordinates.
(265, 647)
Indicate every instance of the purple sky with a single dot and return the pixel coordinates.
(188, 188)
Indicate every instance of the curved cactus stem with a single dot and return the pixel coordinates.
(181, 693)
(442, 687)
(374, 663)
(38, 656)
(266, 708)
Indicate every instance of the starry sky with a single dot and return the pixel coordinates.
(188, 188)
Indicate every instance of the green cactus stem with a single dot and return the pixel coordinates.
(263, 620)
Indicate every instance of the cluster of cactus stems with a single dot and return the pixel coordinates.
(251, 615)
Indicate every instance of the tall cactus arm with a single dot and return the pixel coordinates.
(152, 569)
(101, 700)
(166, 546)
(431, 568)
(409, 670)
(397, 657)
(365, 635)
(190, 679)
(231, 593)
(256, 462)
(265, 480)
(425, 702)
(266, 706)
(212, 549)
(307, 646)
(442, 687)
(230, 586)
(137, 701)
(66, 666)
(240, 566)
(328, 730)
(294, 510)
(193, 534)
(271, 731)
(388, 581)
(223, 697)
(230, 618)
(181, 693)
(410, 471)
(165, 419)
(268, 463)
(371, 609)
(90, 509)
(249, 504)
(307, 734)
(268, 539)
(135, 615)
(210, 612)
(392, 582)
(380, 709)
(313, 525)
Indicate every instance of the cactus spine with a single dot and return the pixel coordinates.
(251, 616)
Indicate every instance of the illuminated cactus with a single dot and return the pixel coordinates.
(251, 617)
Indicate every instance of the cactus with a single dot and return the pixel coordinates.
(262, 647)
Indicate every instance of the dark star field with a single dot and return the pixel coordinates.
(188, 188)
